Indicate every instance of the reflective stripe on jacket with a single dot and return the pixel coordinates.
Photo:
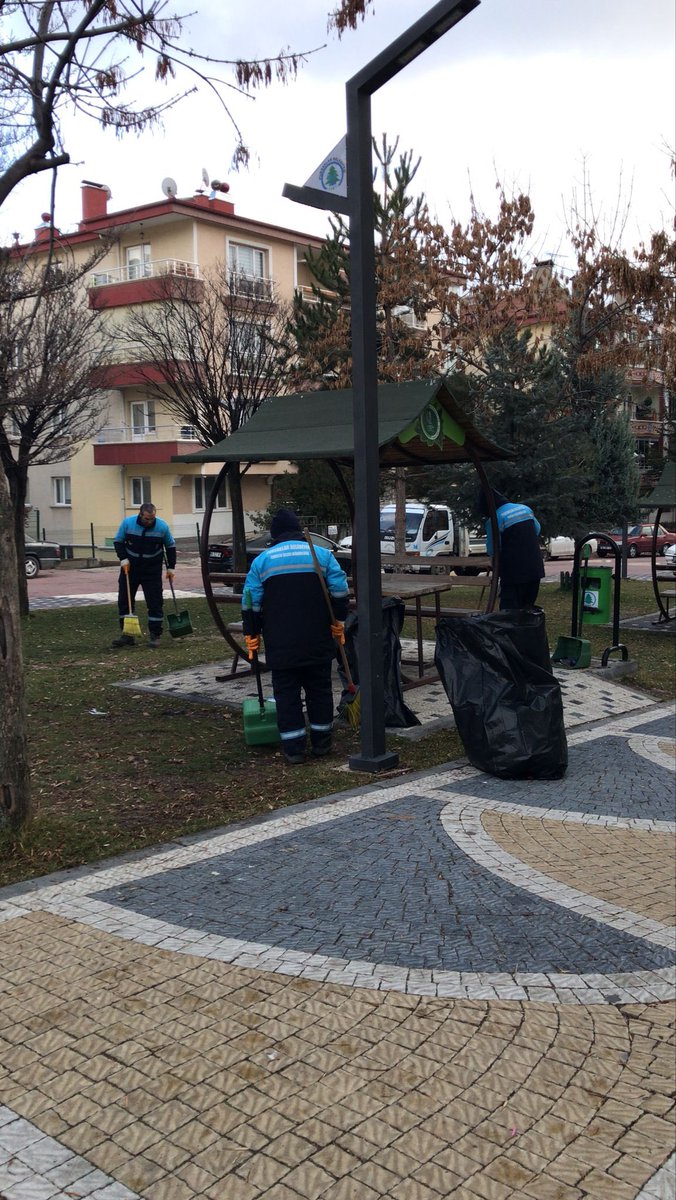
(283, 598)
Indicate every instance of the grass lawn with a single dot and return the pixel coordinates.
(151, 768)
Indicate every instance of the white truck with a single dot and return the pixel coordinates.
(430, 530)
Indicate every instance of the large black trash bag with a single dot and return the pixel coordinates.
(397, 713)
(507, 704)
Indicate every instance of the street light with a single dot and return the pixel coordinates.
(358, 205)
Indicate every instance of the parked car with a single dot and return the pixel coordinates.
(40, 556)
(670, 557)
(561, 546)
(640, 540)
(220, 554)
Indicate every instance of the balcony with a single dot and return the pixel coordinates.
(646, 429)
(310, 297)
(150, 270)
(138, 282)
(251, 287)
(126, 446)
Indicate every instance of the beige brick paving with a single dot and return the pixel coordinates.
(630, 867)
(186, 1078)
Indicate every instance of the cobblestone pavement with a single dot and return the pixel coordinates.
(447, 985)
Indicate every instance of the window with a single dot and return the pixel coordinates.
(247, 344)
(138, 262)
(61, 491)
(142, 418)
(436, 521)
(140, 490)
(247, 260)
(203, 488)
(248, 276)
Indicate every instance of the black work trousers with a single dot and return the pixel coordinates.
(151, 586)
(288, 686)
(519, 595)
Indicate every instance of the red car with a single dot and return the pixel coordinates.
(640, 540)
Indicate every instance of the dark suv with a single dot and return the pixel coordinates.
(40, 556)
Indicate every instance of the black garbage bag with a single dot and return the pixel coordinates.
(507, 704)
(397, 713)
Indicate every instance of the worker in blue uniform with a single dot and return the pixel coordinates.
(142, 544)
(283, 600)
(521, 563)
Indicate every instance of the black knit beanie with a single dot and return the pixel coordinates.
(284, 524)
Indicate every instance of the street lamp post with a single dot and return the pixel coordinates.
(358, 206)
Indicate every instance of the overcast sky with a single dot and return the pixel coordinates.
(535, 93)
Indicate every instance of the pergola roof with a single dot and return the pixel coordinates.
(663, 494)
(421, 422)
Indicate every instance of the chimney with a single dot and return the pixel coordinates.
(95, 197)
(46, 230)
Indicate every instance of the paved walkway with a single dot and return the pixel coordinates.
(447, 985)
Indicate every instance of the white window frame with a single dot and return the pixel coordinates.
(140, 490)
(61, 494)
(249, 336)
(137, 259)
(146, 424)
(202, 486)
(240, 252)
(249, 270)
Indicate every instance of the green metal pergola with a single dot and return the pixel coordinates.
(420, 423)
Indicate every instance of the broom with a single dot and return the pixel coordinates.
(353, 704)
(131, 626)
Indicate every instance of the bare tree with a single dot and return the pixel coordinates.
(14, 772)
(52, 351)
(211, 351)
(76, 53)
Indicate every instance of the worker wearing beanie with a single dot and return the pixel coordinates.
(283, 600)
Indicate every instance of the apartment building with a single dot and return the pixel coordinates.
(130, 460)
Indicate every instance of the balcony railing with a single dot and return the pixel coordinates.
(251, 286)
(310, 296)
(157, 433)
(646, 429)
(149, 270)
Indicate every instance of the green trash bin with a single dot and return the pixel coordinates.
(596, 595)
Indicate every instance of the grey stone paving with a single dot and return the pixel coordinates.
(433, 907)
(603, 777)
(398, 886)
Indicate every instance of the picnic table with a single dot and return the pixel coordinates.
(411, 587)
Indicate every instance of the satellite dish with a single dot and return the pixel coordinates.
(205, 177)
(169, 187)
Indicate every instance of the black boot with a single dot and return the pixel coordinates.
(294, 750)
(123, 640)
(320, 742)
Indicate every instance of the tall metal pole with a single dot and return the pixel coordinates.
(373, 755)
(358, 205)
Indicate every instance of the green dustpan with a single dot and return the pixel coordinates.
(178, 623)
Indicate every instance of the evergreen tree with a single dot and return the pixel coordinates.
(412, 254)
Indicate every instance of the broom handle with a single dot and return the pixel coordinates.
(126, 575)
(255, 665)
(171, 582)
(320, 573)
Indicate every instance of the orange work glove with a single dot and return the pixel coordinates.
(338, 632)
(253, 645)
